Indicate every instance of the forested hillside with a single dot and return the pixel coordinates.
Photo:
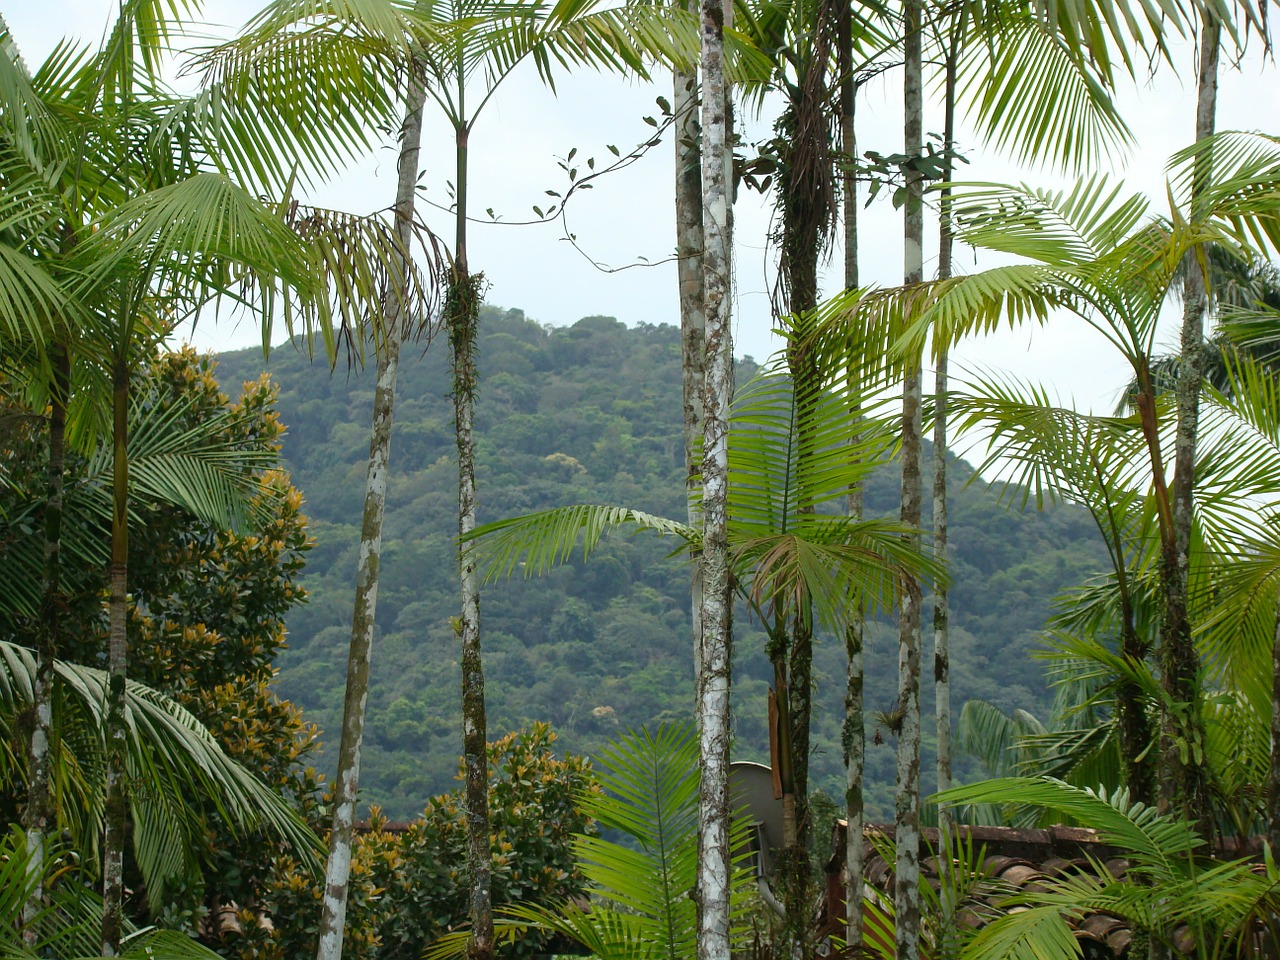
(589, 413)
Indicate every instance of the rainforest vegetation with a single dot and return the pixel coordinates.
(594, 564)
(589, 413)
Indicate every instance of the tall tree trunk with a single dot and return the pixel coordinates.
(712, 705)
(907, 796)
(117, 803)
(462, 315)
(941, 611)
(795, 869)
(692, 318)
(38, 817)
(338, 866)
(853, 736)
(1132, 720)
(1184, 780)
(783, 756)
(807, 206)
(1273, 780)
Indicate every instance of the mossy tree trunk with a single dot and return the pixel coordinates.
(712, 706)
(907, 793)
(368, 571)
(1184, 780)
(39, 814)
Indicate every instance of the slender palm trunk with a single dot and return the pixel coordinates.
(795, 869)
(712, 705)
(117, 804)
(853, 735)
(692, 317)
(338, 867)
(1184, 782)
(806, 200)
(1131, 716)
(462, 315)
(1273, 779)
(907, 795)
(38, 817)
(782, 757)
(941, 611)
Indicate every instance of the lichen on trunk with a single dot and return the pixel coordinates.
(907, 792)
(338, 865)
(712, 706)
(39, 814)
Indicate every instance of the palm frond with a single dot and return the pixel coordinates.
(1033, 95)
(1033, 933)
(185, 769)
(353, 54)
(203, 238)
(361, 261)
(1060, 228)
(986, 732)
(640, 906)
(540, 541)
(1158, 844)
(1242, 191)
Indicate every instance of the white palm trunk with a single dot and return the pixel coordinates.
(907, 796)
(712, 705)
(39, 815)
(338, 865)
(692, 316)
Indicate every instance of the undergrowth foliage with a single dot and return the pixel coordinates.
(409, 884)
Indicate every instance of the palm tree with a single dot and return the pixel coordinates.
(639, 910)
(442, 47)
(804, 162)
(177, 462)
(496, 38)
(1091, 256)
(201, 224)
(1103, 731)
(189, 773)
(65, 927)
(156, 227)
(1225, 907)
(1065, 455)
(787, 561)
(1181, 781)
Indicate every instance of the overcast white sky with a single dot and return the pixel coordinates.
(630, 216)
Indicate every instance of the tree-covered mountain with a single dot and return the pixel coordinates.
(589, 413)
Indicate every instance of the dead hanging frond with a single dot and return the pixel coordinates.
(369, 276)
(806, 164)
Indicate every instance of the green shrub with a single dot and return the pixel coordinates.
(409, 888)
(533, 818)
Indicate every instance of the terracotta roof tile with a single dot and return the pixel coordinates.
(1016, 861)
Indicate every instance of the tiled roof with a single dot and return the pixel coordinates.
(1015, 861)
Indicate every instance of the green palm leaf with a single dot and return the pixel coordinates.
(1034, 95)
(1158, 844)
(198, 237)
(70, 924)
(782, 460)
(186, 772)
(1059, 228)
(350, 51)
(640, 908)
(540, 541)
